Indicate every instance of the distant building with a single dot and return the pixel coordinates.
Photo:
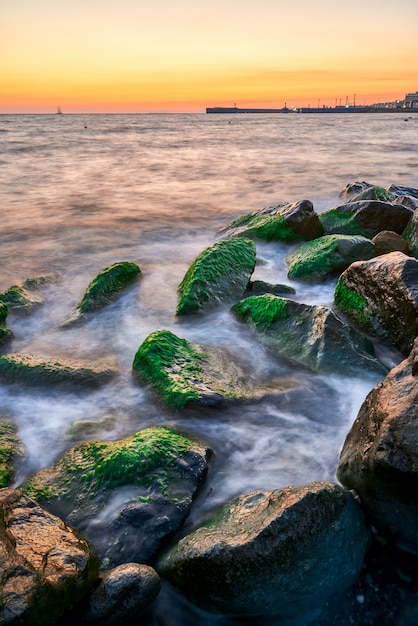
(411, 100)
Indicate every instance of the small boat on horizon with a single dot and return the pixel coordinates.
(59, 112)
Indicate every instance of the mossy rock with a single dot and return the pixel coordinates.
(26, 296)
(37, 371)
(119, 493)
(220, 273)
(410, 234)
(191, 375)
(326, 256)
(365, 217)
(105, 288)
(283, 222)
(11, 448)
(374, 192)
(5, 333)
(311, 336)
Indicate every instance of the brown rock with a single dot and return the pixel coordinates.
(379, 458)
(389, 241)
(45, 566)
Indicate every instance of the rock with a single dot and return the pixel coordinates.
(311, 336)
(26, 296)
(353, 189)
(365, 217)
(259, 288)
(192, 375)
(219, 274)
(399, 190)
(282, 222)
(126, 496)
(410, 234)
(81, 429)
(46, 567)
(382, 296)
(327, 256)
(281, 553)
(11, 448)
(388, 241)
(373, 192)
(37, 371)
(5, 333)
(379, 458)
(104, 288)
(123, 592)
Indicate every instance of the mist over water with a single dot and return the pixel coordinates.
(78, 193)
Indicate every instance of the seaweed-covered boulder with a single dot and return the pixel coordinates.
(353, 189)
(126, 496)
(410, 234)
(328, 255)
(26, 296)
(185, 374)
(32, 369)
(11, 448)
(311, 336)
(281, 553)
(5, 333)
(104, 288)
(45, 566)
(387, 241)
(365, 217)
(373, 192)
(219, 274)
(122, 592)
(259, 288)
(379, 458)
(282, 222)
(382, 296)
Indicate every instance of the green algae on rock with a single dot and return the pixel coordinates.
(311, 336)
(283, 222)
(5, 333)
(365, 217)
(10, 449)
(125, 495)
(192, 375)
(35, 370)
(26, 296)
(327, 256)
(220, 273)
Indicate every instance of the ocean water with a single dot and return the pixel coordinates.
(78, 193)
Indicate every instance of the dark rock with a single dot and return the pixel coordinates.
(399, 190)
(388, 241)
(379, 458)
(365, 217)
(219, 274)
(259, 288)
(327, 256)
(382, 296)
(312, 336)
(191, 375)
(126, 496)
(34, 370)
(281, 222)
(352, 189)
(11, 448)
(374, 192)
(122, 592)
(281, 553)
(45, 566)
(410, 234)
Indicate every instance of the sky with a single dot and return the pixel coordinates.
(89, 56)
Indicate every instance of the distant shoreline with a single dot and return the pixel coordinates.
(285, 110)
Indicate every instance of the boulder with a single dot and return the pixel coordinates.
(11, 448)
(382, 296)
(5, 333)
(400, 190)
(191, 375)
(105, 288)
(373, 192)
(282, 222)
(410, 234)
(282, 552)
(327, 256)
(122, 592)
(353, 189)
(126, 496)
(388, 241)
(379, 458)
(46, 567)
(259, 288)
(37, 371)
(220, 273)
(26, 296)
(311, 336)
(365, 217)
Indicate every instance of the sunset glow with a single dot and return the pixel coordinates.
(168, 55)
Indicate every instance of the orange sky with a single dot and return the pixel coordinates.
(184, 55)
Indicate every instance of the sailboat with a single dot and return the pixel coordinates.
(59, 112)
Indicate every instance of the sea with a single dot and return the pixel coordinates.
(80, 192)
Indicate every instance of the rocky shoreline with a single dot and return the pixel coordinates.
(85, 540)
